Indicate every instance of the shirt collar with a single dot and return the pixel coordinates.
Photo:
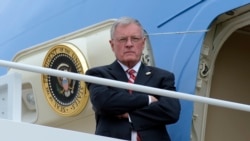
(136, 67)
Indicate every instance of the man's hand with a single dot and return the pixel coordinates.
(125, 115)
(153, 99)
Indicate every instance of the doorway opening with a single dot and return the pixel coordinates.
(224, 74)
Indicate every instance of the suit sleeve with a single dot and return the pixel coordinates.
(107, 100)
(165, 111)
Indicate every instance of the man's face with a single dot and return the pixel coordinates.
(128, 44)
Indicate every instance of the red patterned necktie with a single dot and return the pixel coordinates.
(138, 137)
(131, 78)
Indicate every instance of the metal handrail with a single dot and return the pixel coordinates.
(124, 85)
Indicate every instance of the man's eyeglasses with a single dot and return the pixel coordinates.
(124, 40)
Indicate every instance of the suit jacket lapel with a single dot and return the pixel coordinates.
(143, 75)
(116, 70)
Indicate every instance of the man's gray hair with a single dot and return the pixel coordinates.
(125, 21)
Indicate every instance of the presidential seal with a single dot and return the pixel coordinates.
(66, 96)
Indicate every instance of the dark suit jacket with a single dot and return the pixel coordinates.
(148, 120)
